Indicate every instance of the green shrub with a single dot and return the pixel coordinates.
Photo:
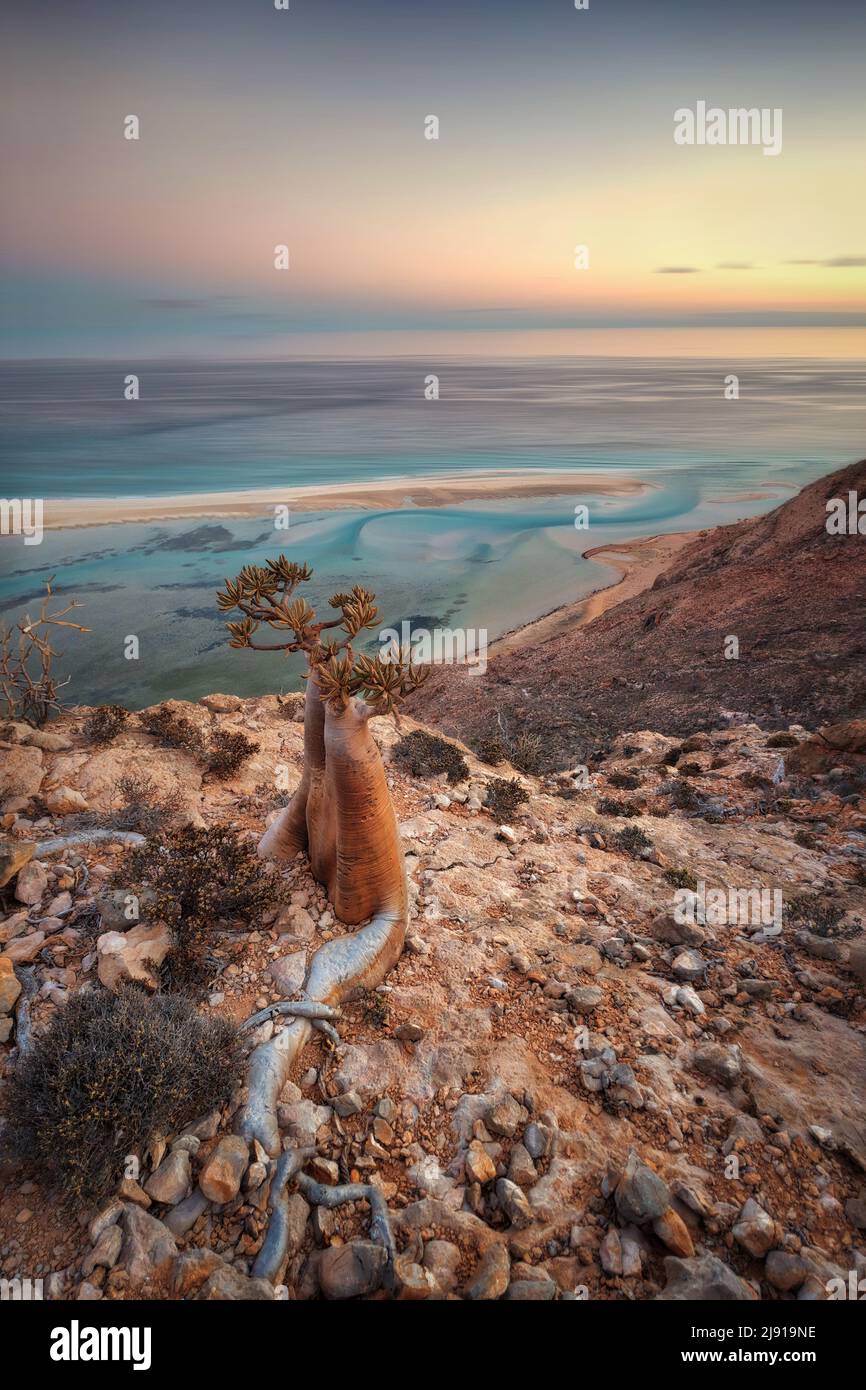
(504, 797)
(110, 1071)
(105, 723)
(426, 755)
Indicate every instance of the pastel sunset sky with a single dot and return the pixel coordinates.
(306, 127)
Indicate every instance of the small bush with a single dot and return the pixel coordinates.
(524, 752)
(609, 806)
(681, 878)
(199, 876)
(491, 751)
(625, 781)
(632, 841)
(228, 749)
(105, 723)
(504, 797)
(221, 755)
(823, 919)
(684, 797)
(426, 755)
(29, 684)
(783, 741)
(111, 1071)
(173, 729)
(690, 769)
(756, 781)
(375, 1007)
(143, 807)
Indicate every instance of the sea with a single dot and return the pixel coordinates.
(711, 451)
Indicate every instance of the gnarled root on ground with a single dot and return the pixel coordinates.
(273, 1252)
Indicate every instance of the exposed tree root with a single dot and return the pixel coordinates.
(380, 1218)
(87, 837)
(300, 1008)
(23, 1031)
(273, 1252)
(290, 1165)
(338, 968)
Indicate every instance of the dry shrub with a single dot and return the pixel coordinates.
(524, 752)
(504, 798)
(111, 1071)
(491, 751)
(199, 876)
(610, 806)
(681, 878)
(222, 754)
(105, 723)
(29, 684)
(173, 729)
(143, 807)
(228, 749)
(625, 781)
(632, 841)
(426, 755)
(818, 916)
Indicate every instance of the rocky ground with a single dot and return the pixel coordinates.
(561, 1090)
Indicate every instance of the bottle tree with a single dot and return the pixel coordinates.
(341, 813)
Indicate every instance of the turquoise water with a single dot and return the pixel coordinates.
(493, 565)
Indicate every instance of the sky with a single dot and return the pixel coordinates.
(306, 128)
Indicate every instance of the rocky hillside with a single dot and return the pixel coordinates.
(562, 1090)
(793, 595)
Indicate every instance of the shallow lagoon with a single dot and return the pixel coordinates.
(493, 565)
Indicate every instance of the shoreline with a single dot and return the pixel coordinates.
(639, 561)
(390, 494)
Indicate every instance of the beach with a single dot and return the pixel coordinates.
(639, 563)
(440, 490)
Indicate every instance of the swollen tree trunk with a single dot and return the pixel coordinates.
(342, 813)
(289, 832)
